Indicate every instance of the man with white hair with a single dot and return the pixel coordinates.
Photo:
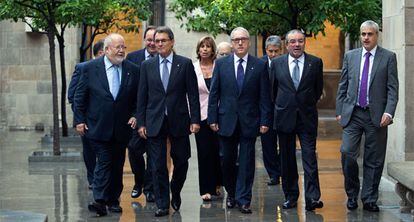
(224, 49)
(239, 111)
(105, 105)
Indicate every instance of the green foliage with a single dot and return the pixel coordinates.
(275, 16)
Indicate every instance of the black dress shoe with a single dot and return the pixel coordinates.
(372, 207)
(115, 208)
(352, 204)
(150, 197)
(230, 202)
(161, 212)
(135, 193)
(313, 204)
(245, 209)
(176, 202)
(273, 182)
(98, 208)
(289, 204)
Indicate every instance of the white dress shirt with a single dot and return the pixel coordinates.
(292, 65)
(110, 69)
(236, 64)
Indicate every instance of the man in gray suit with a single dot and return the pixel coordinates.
(365, 104)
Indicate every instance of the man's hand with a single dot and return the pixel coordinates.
(214, 127)
(81, 128)
(194, 128)
(338, 118)
(264, 129)
(385, 120)
(133, 122)
(142, 131)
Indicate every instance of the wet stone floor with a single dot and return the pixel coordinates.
(58, 191)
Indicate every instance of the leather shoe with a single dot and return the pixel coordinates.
(98, 208)
(273, 182)
(313, 204)
(135, 193)
(289, 204)
(176, 202)
(372, 207)
(161, 212)
(245, 209)
(230, 202)
(352, 204)
(150, 197)
(115, 208)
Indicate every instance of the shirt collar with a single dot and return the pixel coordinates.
(373, 51)
(301, 58)
(236, 58)
(169, 58)
(147, 54)
(108, 63)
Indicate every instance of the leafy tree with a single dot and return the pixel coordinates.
(267, 17)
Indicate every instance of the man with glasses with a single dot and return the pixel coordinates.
(297, 87)
(105, 105)
(239, 109)
(142, 176)
(168, 107)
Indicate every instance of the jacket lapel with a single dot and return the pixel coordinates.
(306, 67)
(286, 72)
(231, 72)
(249, 71)
(175, 68)
(102, 75)
(124, 79)
(357, 60)
(377, 62)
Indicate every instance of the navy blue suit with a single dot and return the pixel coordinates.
(152, 102)
(239, 115)
(89, 156)
(271, 157)
(107, 120)
(295, 113)
(142, 175)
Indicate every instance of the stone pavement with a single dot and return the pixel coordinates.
(59, 190)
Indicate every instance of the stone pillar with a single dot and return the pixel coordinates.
(398, 36)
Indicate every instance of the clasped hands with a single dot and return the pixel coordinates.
(215, 128)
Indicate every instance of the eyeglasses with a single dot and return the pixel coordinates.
(157, 41)
(119, 47)
(293, 41)
(237, 40)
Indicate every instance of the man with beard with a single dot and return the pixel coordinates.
(105, 105)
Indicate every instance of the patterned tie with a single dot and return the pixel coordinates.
(165, 74)
(115, 81)
(364, 82)
(240, 74)
(295, 74)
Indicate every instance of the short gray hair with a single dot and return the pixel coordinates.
(109, 38)
(273, 40)
(294, 31)
(370, 24)
(239, 29)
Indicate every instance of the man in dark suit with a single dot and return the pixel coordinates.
(105, 106)
(297, 87)
(271, 157)
(89, 156)
(238, 109)
(142, 176)
(365, 104)
(168, 88)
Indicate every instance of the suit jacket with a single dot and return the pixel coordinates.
(383, 85)
(79, 69)
(137, 57)
(250, 107)
(289, 101)
(105, 117)
(152, 98)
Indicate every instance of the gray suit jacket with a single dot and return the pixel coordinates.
(383, 85)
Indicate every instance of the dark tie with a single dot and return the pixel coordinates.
(240, 74)
(364, 82)
(165, 74)
(296, 74)
(115, 81)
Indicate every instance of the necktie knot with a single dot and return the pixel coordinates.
(165, 61)
(367, 54)
(241, 61)
(296, 61)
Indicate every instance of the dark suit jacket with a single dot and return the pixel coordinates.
(250, 107)
(289, 101)
(79, 68)
(152, 98)
(136, 57)
(105, 117)
(383, 85)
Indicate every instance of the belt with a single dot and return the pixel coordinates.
(363, 108)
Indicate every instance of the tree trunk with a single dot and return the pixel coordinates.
(83, 47)
(56, 136)
(61, 41)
